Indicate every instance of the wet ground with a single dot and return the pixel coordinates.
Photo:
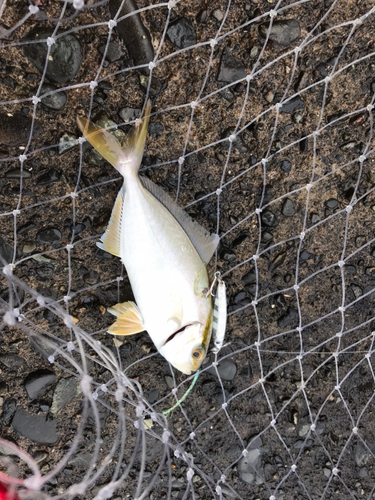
(288, 411)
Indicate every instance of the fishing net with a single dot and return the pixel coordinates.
(262, 128)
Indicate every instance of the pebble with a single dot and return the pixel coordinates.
(248, 466)
(3, 388)
(65, 55)
(6, 251)
(38, 382)
(52, 175)
(290, 319)
(277, 262)
(182, 33)
(129, 114)
(155, 128)
(8, 410)
(249, 278)
(153, 396)
(286, 166)
(55, 101)
(132, 32)
(114, 51)
(227, 369)
(304, 145)
(202, 16)
(231, 68)
(288, 208)
(305, 255)
(11, 360)
(218, 15)
(91, 277)
(283, 32)
(292, 105)
(67, 141)
(268, 218)
(35, 427)
(48, 236)
(15, 129)
(331, 203)
(16, 173)
(65, 391)
(169, 381)
(315, 218)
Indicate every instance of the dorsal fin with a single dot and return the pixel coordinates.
(204, 242)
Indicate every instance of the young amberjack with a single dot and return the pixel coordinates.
(165, 254)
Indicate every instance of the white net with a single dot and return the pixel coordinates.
(262, 127)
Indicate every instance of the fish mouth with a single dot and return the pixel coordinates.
(171, 337)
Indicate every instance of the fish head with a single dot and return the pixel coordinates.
(187, 347)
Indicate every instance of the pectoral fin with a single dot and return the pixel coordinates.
(129, 319)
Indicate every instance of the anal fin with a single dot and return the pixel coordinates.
(129, 319)
(112, 237)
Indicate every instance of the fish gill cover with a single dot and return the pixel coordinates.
(262, 128)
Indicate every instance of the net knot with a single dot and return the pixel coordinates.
(327, 79)
(254, 303)
(69, 247)
(296, 287)
(312, 427)
(35, 100)
(77, 489)
(257, 344)
(355, 430)
(16, 212)
(171, 4)
(308, 187)
(278, 105)
(192, 435)
(224, 405)
(22, 158)
(194, 104)
(337, 387)
(218, 490)
(255, 257)
(33, 9)
(339, 335)
(93, 84)
(190, 474)
(41, 300)
(166, 436)
(273, 13)
(67, 298)
(299, 329)
(297, 50)
(299, 357)
(335, 471)
(272, 497)
(70, 346)
(258, 211)
(245, 453)
(73, 194)
(264, 162)
(33, 482)
(118, 394)
(223, 478)
(181, 160)
(151, 65)
(112, 24)
(293, 468)
(51, 359)
(232, 138)
(81, 140)
(341, 263)
(78, 4)
(213, 42)
(8, 269)
(10, 317)
(218, 192)
(249, 78)
(103, 388)
(368, 355)
(176, 453)
(370, 107)
(50, 41)
(357, 22)
(362, 158)
(140, 410)
(86, 384)
(273, 423)
(95, 396)
(174, 391)
(342, 309)
(261, 380)
(302, 235)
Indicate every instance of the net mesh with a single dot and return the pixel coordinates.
(262, 128)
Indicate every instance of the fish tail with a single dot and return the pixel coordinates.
(125, 157)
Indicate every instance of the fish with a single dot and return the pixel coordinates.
(165, 254)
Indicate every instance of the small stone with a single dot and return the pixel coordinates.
(268, 218)
(169, 381)
(15, 129)
(331, 203)
(6, 251)
(37, 382)
(286, 166)
(67, 141)
(114, 51)
(182, 33)
(3, 388)
(153, 396)
(288, 208)
(218, 15)
(56, 100)
(277, 262)
(249, 278)
(251, 464)
(292, 105)
(91, 278)
(52, 175)
(155, 128)
(8, 410)
(48, 236)
(269, 96)
(227, 369)
(290, 319)
(129, 114)
(11, 360)
(65, 391)
(283, 32)
(35, 427)
(202, 16)
(65, 56)
(305, 255)
(315, 218)
(16, 173)
(297, 118)
(231, 68)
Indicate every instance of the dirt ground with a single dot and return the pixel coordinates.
(297, 377)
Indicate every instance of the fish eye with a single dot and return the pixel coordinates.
(199, 352)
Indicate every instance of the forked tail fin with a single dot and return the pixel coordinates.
(126, 158)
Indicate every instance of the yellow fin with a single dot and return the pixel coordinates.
(129, 319)
(104, 142)
(112, 236)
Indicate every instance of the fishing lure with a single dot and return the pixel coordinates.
(219, 320)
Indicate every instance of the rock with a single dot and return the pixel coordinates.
(35, 427)
(3, 388)
(277, 262)
(305, 255)
(52, 175)
(153, 396)
(65, 56)
(67, 141)
(269, 218)
(248, 466)
(15, 129)
(231, 68)
(218, 15)
(283, 32)
(6, 252)
(286, 166)
(292, 105)
(37, 382)
(56, 100)
(8, 410)
(114, 51)
(290, 319)
(48, 236)
(182, 33)
(132, 32)
(91, 277)
(129, 114)
(16, 173)
(331, 203)
(227, 369)
(155, 128)
(249, 278)
(11, 360)
(65, 391)
(287, 208)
